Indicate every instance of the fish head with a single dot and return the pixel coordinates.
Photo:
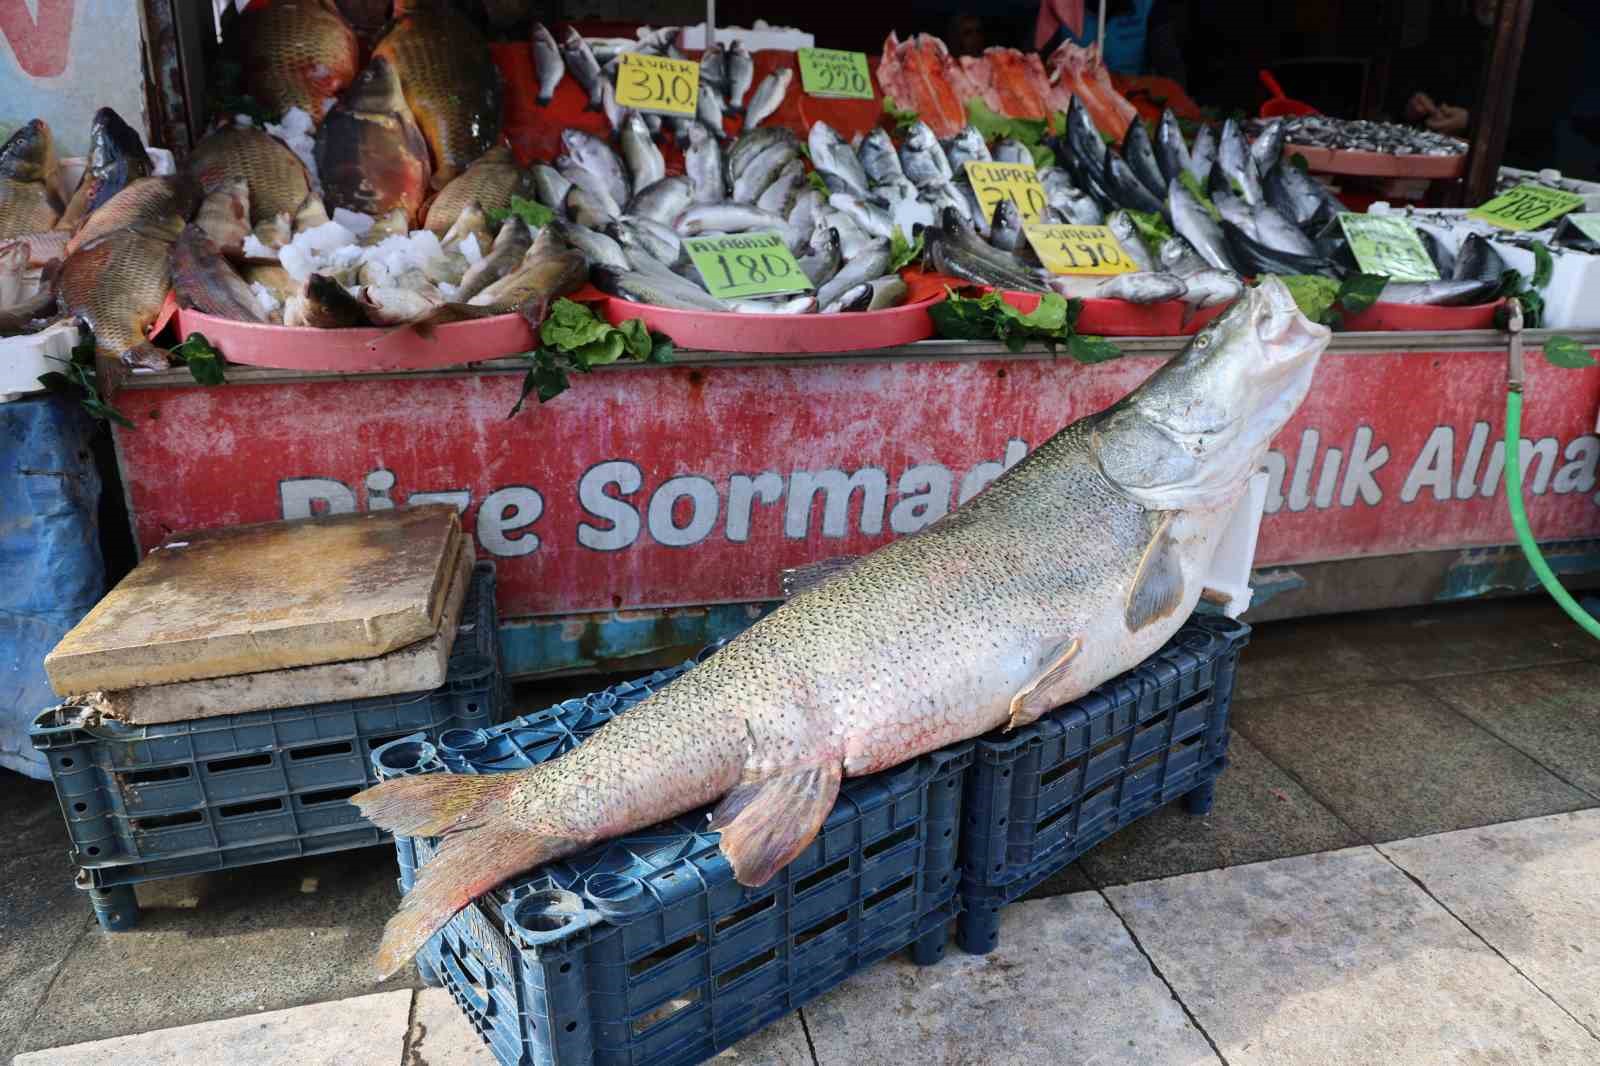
(30, 153)
(112, 141)
(1190, 436)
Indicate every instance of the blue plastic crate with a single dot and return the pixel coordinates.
(645, 949)
(1040, 796)
(145, 802)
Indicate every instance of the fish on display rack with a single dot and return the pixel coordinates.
(297, 53)
(370, 153)
(1072, 567)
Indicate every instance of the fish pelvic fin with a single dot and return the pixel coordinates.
(765, 823)
(1049, 690)
(1157, 590)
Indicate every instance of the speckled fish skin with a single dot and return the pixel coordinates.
(1072, 567)
(115, 286)
(297, 53)
(155, 207)
(491, 181)
(449, 80)
(30, 194)
(205, 281)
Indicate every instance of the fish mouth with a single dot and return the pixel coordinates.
(1279, 322)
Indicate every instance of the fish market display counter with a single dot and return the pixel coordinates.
(651, 508)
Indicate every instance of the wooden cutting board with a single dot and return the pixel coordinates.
(266, 597)
(419, 667)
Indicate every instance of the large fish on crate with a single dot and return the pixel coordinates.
(1073, 567)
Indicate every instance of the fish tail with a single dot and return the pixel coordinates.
(483, 845)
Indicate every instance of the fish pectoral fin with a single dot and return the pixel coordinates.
(1044, 692)
(1158, 585)
(767, 822)
(800, 578)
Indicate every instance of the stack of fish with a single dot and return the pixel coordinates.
(1362, 135)
(629, 217)
(726, 74)
(1236, 209)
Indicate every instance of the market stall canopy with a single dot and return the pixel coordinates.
(266, 597)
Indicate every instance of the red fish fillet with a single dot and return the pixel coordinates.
(920, 75)
(1080, 72)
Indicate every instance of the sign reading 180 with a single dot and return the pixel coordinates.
(738, 265)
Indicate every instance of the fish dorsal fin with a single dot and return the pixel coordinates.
(1158, 585)
(800, 578)
(1049, 689)
(766, 822)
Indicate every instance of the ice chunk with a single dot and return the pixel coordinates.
(254, 249)
(354, 221)
(469, 249)
(298, 131)
(266, 298)
(312, 250)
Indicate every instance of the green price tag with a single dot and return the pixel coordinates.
(738, 265)
(1588, 224)
(1528, 206)
(831, 73)
(1388, 245)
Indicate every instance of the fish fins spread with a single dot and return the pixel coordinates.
(800, 578)
(481, 848)
(1158, 586)
(1043, 692)
(766, 823)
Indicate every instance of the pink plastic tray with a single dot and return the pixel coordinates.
(350, 350)
(722, 331)
(1378, 164)
(1382, 317)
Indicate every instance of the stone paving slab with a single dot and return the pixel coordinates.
(1066, 985)
(1339, 959)
(1550, 712)
(255, 938)
(363, 1031)
(1260, 813)
(1528, 889)
(1392, 761)
(41, 916)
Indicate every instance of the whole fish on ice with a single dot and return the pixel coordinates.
(1071, 568)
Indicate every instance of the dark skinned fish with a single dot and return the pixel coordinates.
(1072, 567)
(204, 280)
(116, 158)
(30, 183)
(371, 154)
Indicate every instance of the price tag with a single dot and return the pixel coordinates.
(1067, 249)
(1528, 206)
(827, 72)
(1017, 182)
(739, 265)
(656, 83)
(1388, 245)
(1587, 224)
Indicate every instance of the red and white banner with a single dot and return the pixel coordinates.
(686, 485)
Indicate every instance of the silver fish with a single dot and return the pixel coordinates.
(1267, 148)
(1452, 293)
(703, 163)
(661, 201)
(584, 208)
(832, 155)
(547, 62)
(596, 156)
(645, 165)
(762, 171)
(855, 298)
(1172, 154)
(1138, 288)
(889, 290)
(870, 263)
(967, 146)
(661, 242)
(596, 247)
(1208, 288)
(1203, 155)
(1127, 235)
(1005, 230)
(584, 66)
(751, 144)
(616, 114)
(823, 264)
(550, 186)
(1072, 567)
(1010, 150)
(714, 68)
(1195, 225)
(853, 240)
(593, 186)
(725, 218)
(662, 290)
(923, 159)
(768, 97)
(869, 216)
(710, 106)
(782, 305)
(879, 158)
(510, 245)
(1235, 210)
(1179, 257)
(780, 195)
(1237, 168)
(1275, 231)
(741, 72)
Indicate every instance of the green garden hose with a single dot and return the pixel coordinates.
(1519, 513)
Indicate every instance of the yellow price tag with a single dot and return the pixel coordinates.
(1017, 182)
(1065, 249)
(656, 83)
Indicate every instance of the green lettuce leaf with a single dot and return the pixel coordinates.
(902, 118)
(1192, 183)
(902, 251)
(1567, 353)
(990, 317)
(1313, 294)
(205, 363)
(1361, 291)
(572, 337)
(1030, 131)
(535, 214)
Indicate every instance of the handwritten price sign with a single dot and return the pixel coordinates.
(656, 83)
(1384, 244)
(1017, 182)
(1528, 206)
(740, 265)
(1078, 249)
(826, 72)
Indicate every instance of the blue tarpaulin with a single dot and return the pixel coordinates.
(51, 570)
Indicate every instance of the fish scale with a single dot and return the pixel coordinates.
(297, 53)
(1073, 566)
